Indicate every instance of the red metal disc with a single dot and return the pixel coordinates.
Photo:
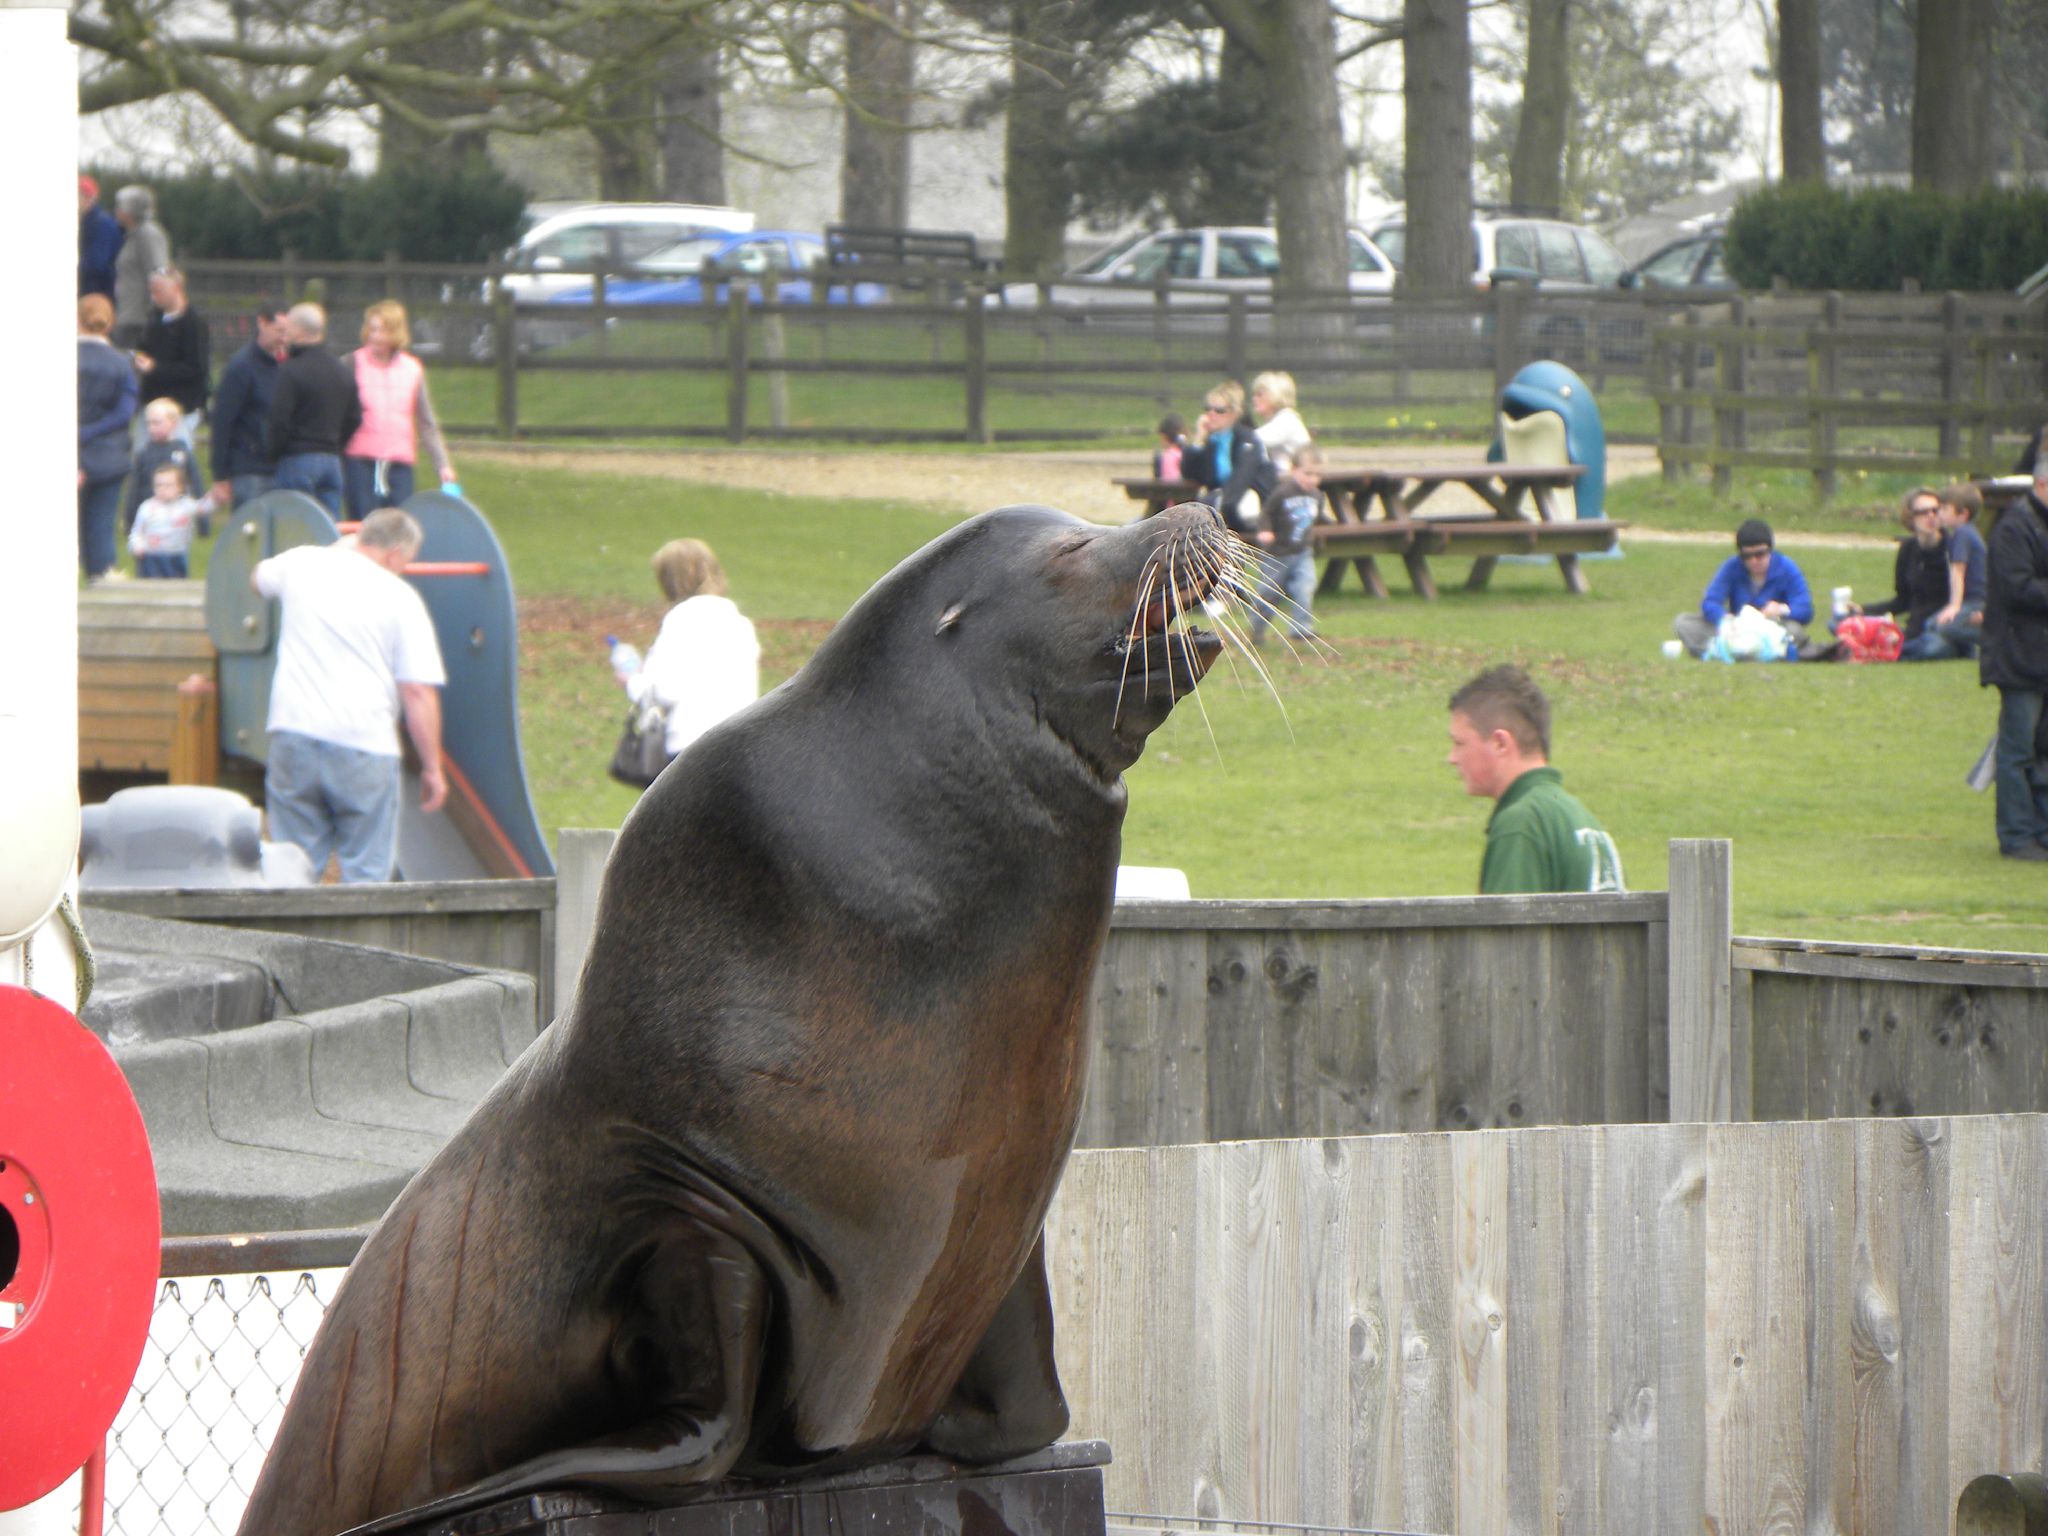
(78, 1199)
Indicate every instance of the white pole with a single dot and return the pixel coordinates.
(38, 578)
(38, 574)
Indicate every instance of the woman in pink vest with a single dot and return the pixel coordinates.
(398, 419)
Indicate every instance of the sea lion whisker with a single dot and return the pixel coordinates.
(1134, 642)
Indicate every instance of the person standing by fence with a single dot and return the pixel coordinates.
(398, 418)
(1539, 838)
(175, 357)
(243, 468)
(2015, 662)
(106, 401)
(99, 241)
(144, 249)
(314, 411)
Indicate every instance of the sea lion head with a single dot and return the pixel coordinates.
(1079, 633)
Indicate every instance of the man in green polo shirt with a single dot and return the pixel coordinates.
(1539, 838)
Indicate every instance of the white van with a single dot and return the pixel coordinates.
(615, 235)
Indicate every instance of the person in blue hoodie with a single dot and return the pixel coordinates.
(1755, 576)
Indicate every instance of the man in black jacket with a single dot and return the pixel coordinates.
(175, 355)
(2014, 660)
(242, 466)
(314, 411)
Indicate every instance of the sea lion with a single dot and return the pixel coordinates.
(768, 1196)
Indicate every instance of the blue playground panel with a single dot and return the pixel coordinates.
(476, 622)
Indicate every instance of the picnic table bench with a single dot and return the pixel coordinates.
(1372, 512)
(905, 258)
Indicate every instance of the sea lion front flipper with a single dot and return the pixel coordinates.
(1008, 1401)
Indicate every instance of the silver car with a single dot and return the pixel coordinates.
(1196, 264)
(1548, 252)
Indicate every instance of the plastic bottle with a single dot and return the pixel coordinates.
(625, 658)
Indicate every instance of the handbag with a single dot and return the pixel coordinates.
(642, 751)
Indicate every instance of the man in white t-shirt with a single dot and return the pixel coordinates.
(356, 651)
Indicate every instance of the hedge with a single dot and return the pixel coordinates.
(1877, 238)
(467, 211)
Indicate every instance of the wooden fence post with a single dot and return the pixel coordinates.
(1950, 445)
(1235, 346)
(1688, 381)
(1510, 306)
(1667, 410)
(736, 340)
(1705, 1065)
(1728, 413)
(599, 298)
(1823, 357)
(195, 733)
(580, 857)
(975, 345)
(391, 283)
(505, 353)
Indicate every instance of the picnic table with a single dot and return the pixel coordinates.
(1373, 512)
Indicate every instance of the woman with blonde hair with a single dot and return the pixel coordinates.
(398, 418)
(1281, 430)
(705, 663)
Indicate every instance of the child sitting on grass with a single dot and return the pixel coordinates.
(162, 535)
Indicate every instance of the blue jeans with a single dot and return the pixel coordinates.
(334, 799)
(359, 480)
(1288, 584)
(1946, 642)
(2022, 779)
(162, 565)
(99, 503)
(317, 474)
(246, 488)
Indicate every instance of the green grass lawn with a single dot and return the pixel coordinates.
(1840, 786)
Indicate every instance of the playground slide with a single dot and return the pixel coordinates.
(489, 827)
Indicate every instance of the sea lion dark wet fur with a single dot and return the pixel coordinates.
(768, 1196)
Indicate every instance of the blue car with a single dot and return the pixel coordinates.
(778, 256)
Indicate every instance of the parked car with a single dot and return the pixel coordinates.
(1536, 250)
(1692, 261)
(782, 257)
(1200, 262)
(620, 235)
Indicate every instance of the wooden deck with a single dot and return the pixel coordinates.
(137, 641)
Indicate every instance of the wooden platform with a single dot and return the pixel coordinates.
(137, 641)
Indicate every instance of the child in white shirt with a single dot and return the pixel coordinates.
(162, 534)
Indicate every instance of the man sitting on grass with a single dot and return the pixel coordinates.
(1755, 576)
(1539, 838)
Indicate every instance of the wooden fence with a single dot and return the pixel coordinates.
(1218, 1020)
(1793, 1327)
(728, 368)
(1833, 382)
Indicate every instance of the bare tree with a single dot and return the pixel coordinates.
(1799, 125)
(1295, 43)
(1952, 101)
(1536, 171)
(285, 74)
(1436, 59)
(881, 84)
(691, 123)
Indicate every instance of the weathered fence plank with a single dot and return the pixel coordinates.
(1747, 1328)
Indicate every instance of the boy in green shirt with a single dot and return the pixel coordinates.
(1539, 838)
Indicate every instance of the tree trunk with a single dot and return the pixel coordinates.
(881, 67)
(1290, 46)
(1436, 62)
(1038, 181)
(1536, 169)
(1308, 198)
(626, 146)
(1952, 142)
(1805, 156)
(688, 125)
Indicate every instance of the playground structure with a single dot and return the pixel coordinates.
(143, 714)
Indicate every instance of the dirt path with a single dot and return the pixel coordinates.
(1076, 479)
